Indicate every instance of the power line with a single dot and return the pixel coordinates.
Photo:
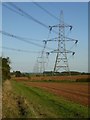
(22, 39)
(25, 14)
(49, 13)
(11, 9)
(18, 50)
(45, 10)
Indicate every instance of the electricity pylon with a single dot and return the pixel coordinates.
(61, 61)
(41, 60)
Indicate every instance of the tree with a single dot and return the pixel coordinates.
(5, 68)
(18, 74)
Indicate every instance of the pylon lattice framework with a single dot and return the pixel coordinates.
(61, 61)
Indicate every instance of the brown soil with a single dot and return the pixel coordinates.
(72, 91)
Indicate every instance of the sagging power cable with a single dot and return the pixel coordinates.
(22, 39)
(19, 50)
(21, 12)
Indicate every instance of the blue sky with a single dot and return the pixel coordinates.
(75, 14)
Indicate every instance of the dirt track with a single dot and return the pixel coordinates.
(71, 91)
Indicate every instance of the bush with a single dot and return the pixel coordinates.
(18, 74)
(83, 80)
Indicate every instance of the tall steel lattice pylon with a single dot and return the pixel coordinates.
(61, 61)
(61, 51)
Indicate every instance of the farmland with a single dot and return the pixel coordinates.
(73, 78)
(50, 99)
(40, 76)
(62, 86)
(75, 92)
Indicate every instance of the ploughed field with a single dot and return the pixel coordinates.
(45, 98)
(73, 91)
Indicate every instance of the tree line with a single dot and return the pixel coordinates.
(6, 74)
(5, 68)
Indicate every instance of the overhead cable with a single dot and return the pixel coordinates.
(22, 39)
(18, 50)
(5, 5)
(25, 14)
(45, 10)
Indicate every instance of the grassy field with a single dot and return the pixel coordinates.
(33, 102)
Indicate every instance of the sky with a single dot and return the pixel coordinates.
(75, 14)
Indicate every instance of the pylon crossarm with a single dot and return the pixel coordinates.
(61, 25)
(70, 39)
(54, 51)
(57, 51)
(54, 26)
(68, 51)
(53, 39)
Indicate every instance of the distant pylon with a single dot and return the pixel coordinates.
(41, 60)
